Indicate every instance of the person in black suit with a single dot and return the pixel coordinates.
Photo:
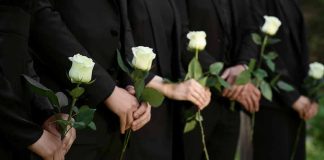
(55, 38)
(228, 27)
(22, 113)
(283, 115)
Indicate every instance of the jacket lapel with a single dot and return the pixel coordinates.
(221, 16)
(159, 37)
(178, 46)
(291, 25)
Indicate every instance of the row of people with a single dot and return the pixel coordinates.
(47, 32)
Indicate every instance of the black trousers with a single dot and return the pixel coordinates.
(275, 134)
(222, 131)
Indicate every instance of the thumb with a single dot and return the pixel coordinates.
(122, 125)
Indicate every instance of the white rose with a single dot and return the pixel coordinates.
(271, 25)
(81, 70)
(197, 40)
(316, 70)
(143, 58)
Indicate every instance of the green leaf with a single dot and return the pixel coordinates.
(272, 41)
(194, 70)
(216, 68)
(85, 115)
(274, 81)
(190, 126)
(139, 86)
(252, 64)
(190, 115)
(223, 83)
(63, 100)
(270, 56)
(260, 74)
(121, 63)
(243, 78)
(41, 90)
(285, 86)
(62, 123)
(203, 81)
(75, 109)
(211, 81)
(256, 38)
(266, 90)
(92, 126)
(79, 125)
(77, 92)
(199, 118)
(152, 96)
(271, 65)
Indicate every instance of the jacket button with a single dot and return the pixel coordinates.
(114, 33)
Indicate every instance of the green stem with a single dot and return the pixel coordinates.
(74, 100)
(71, 110)
(232, 106)
(301, 125)
(252, 125)
(128, 134)
(203, 136)
(264, 44)
(196, 54)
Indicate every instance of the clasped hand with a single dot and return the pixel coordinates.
(247, 95)
(132, 115)
(50, 146)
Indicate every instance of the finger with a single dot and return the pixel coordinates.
(198, 98)
(225, 92)
(145, 118)
(233, 91)
(230, 91)
(307, 116)
(226, 73)
(130, 120)
(72, 139)
(140, 111)
(305, 110)
(198, 92)
(130, 89)
(123, 124)
(231, 79)
(238, 92)
(311, 113)
(250, 104)
(244, 104)
(255, 101)
(193, 100)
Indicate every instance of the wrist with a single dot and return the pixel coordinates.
(108, 99)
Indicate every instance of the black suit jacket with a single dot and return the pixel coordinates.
(236, 28)
(93, 28)
(146, 22)
(21, 112)
(292, 63)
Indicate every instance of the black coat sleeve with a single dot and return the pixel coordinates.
(17, 126)
(53, 43)
(259, 9)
